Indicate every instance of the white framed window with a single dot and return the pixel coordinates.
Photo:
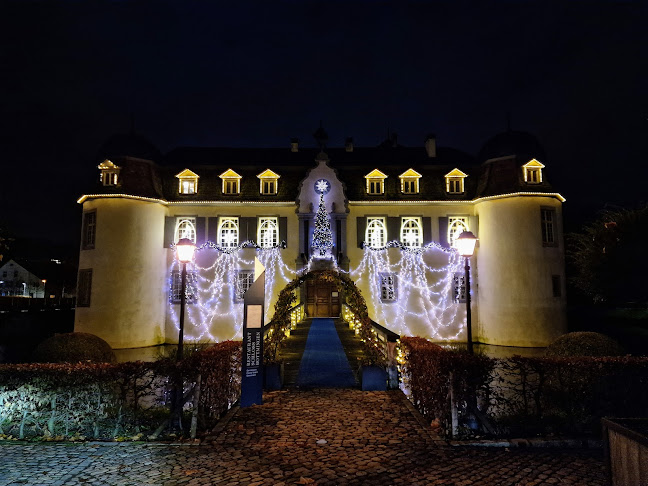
(89, 230)
(388, 287)
(185, 228)
(231, 182)
(176, 287)
(410, 181)
(376, 233)
(269, 181)
(188, 182)
(533, 172)
(459, 287)
(548, 220)
(455, 181)
(109, 175)
(456, 226)
(375, 182)
(228, 233)
(411, 232)
(244, 280)
(375, 186)
(268, 233)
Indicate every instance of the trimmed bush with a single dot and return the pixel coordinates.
(122, 401)
(584, 344)
(74, 347)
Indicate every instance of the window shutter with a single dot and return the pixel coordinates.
(362, 227)
(169, 230)
(212, 228)
(247, 229)
(283, 229)
(393, 228)
(200, 231)
(443, 231)
(427, 230)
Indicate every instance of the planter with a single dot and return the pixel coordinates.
(374, 378)
(273, 376)
(625, 443)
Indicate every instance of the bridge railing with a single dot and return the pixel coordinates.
(297, 314)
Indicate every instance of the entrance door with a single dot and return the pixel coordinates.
(322, 299)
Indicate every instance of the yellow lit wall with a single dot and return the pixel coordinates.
(128, 270)
(516, 302)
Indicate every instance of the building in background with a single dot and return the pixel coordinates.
(387, 215)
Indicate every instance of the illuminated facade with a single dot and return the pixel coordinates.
(387, 215)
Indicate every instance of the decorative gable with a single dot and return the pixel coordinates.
(410, 181)
(231, 182)
(375, 182)
(455, 181)
(533, 171)
(269, 182)
(188, 182)
(109, 175)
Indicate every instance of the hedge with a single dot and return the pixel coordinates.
(115, 401)
(522, 396)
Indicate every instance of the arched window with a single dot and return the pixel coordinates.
(411, 233)
(186, 228)
(456, 226)
(268, 232)
(228, 233)
(376, 234)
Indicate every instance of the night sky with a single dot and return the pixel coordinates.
(255, 74)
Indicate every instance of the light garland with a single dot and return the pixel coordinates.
(424, 303)
(424, 289)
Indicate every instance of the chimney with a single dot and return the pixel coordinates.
(294, 145)
(430, 145)
(394, 139)
(348, 144)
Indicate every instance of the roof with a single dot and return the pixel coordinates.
(497, 174)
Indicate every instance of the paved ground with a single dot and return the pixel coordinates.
(322, 436)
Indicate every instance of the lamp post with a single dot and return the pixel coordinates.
(466, 247)
(185, 249)
(44, 292)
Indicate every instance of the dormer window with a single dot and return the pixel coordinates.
(375, 182)
(533, 172)
(269, 182)
(231, 182)
(410, 182)
(455, 182)
(188, 182)
(109, 175)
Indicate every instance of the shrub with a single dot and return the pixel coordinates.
(74, 347)
(117, 401)
(584, 344)
(431, 372)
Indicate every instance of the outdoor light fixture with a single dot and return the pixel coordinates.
(185, 249)
(466, 247)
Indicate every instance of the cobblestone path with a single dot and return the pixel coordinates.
(321, 436)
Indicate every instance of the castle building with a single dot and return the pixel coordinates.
(388, 216)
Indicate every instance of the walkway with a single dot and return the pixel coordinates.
(324, 362)
(323, 436)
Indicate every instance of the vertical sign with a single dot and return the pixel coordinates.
(252, 365)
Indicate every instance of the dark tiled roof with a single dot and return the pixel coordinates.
(501, 176)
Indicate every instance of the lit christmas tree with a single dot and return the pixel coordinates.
(322, 237)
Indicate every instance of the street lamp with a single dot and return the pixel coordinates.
(185, 249)
(466, 247)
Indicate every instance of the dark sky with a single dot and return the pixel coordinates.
(255, 74)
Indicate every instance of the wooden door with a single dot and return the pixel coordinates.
(322, 299)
